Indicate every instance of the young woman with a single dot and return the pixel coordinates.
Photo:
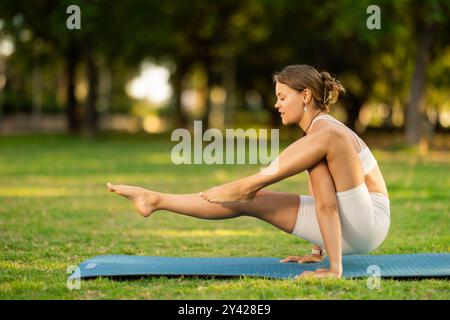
(348, 209)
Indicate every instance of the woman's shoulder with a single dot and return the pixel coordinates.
(326, 120)
(322, 121)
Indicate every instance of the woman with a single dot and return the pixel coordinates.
(348, 210)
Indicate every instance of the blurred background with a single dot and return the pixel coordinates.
(90, 92)
(152, 66)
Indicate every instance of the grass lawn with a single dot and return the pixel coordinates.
(55, 212)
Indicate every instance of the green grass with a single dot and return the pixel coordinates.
(55, 212)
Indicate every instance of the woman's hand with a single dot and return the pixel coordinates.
(311, 258)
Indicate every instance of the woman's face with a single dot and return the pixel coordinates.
(289, 103)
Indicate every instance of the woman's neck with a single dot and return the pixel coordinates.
(308, 117)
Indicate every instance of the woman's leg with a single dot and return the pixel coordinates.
(277, 208)
(329, 143)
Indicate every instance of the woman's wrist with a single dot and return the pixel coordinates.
(318, 251)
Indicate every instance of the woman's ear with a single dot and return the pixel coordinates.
(306, 96)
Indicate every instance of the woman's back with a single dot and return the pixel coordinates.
(372, 174)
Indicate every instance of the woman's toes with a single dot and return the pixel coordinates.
(119, 189)
(110, 186)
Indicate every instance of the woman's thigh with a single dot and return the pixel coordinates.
(307, 225)
(362, 231)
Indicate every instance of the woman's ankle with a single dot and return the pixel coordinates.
(156, 199)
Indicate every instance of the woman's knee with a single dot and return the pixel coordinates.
(335, 140)
(332, 135)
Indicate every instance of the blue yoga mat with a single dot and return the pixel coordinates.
(355, 266)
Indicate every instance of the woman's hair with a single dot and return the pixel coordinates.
(325, 89)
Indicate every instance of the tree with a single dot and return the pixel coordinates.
(425, 27)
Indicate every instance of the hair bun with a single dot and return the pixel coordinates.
(331, 89)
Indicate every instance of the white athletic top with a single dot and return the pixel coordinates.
(368, 161)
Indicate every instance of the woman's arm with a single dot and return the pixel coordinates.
(313, 257)
(310, 187)
(321, 187)
(315, 247)
(327, 211)
(311, 193)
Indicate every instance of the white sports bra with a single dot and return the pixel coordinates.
(368, 161)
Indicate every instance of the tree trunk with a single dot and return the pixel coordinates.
(92, 113)
(72, 108)
(104, 90)
(36, 89)
(354, 104)
(205, 118)
(2, 88)
(229, 83)
(388, 122)
(179, 118)
(413, 113)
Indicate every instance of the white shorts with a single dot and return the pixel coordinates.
(364, 215)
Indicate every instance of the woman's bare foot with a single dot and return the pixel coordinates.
(144, 200)
(231, 192)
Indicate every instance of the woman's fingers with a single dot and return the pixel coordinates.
(203, 196)
(310, 259)
(303, 259)
(110, 186)
(291, 259)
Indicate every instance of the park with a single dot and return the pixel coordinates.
(115, 111)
